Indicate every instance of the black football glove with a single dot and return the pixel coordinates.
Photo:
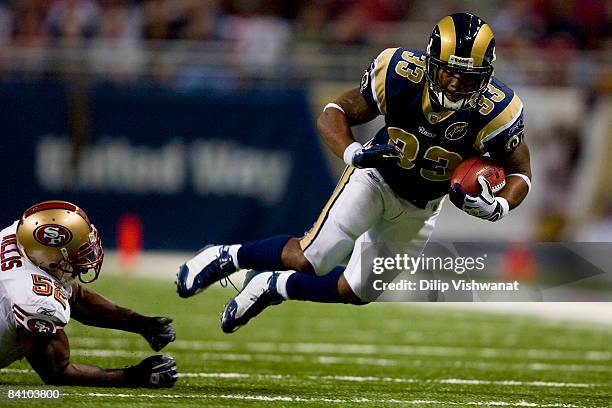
(158, 331)
(154, 372)
(376, 156)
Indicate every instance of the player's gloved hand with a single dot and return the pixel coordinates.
(484, 206)
(155, 372)
(158, 331)
(376, 156)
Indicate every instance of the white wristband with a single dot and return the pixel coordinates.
(505, 206)
(350, 151)
(524, 177)
(335, 106)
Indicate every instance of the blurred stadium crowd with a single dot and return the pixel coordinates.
(559, 24)
(264, 32)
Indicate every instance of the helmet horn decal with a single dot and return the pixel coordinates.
(448, 38)
(481, 44)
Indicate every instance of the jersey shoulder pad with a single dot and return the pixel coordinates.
(39, 303)
(500, 116)
(393, 72)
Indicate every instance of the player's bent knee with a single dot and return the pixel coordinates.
(293, 257)
(346, 292)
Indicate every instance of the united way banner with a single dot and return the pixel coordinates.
(191, 168)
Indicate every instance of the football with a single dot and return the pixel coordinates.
(466, 175)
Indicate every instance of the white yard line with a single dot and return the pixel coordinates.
(108, 353)
(365, 379)
(370, 349)
(359, 361)
(372, 379)
(282, 398)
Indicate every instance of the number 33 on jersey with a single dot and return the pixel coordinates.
(434, 142)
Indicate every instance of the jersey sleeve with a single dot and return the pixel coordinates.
(39, 319)
(503, 128)
(374, 80)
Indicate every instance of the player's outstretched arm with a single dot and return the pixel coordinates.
(49, 356)
(93, 309)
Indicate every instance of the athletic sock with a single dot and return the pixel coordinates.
(281, 283)
(301, 286)
(233, 251)
(262, 254)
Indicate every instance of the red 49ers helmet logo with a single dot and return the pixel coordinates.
(53, 235)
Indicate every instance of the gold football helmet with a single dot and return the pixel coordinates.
(58, 237)
(462, 45)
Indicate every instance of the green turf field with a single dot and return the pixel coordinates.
(303, 354)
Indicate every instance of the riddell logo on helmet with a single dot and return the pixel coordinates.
(53, 235)
(455, 61)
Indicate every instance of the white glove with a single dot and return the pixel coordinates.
(484, 206)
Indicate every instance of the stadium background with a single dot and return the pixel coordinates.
(161, 115)
(176, 123)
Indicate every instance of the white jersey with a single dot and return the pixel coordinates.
(29, 297)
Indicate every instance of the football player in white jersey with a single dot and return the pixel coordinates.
(41, 257)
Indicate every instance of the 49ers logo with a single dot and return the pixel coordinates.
(53, 235)
(40, 326)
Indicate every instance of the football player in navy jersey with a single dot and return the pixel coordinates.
(440, 108)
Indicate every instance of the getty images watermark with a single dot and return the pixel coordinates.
(411, 264)
(474, 271)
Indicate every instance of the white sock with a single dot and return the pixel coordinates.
(281, 283)
(233, 251)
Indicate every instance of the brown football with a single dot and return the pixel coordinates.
(468, 171)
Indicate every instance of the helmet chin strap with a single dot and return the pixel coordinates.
(443, 102)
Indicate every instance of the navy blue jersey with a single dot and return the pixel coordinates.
(434, 143)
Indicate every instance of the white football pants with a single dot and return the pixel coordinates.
(364, 210)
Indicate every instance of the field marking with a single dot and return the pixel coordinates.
(282, 398)
(330, 360)
(361, 361)
(108, 353)
(16, 370)
(371, 349)
(452, 381)
(373, 379)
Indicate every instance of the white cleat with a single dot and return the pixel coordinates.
(258, 293)
(211, 264)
